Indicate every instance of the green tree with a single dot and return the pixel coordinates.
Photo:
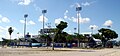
(79, 37)
(97, 36)
(46, 38)
(5, 42)
(107, 34)
(62, 25)
(10, 30)
(60, 35)
(69, 38)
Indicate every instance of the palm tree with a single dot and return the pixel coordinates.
(59, 35)
(10, 30)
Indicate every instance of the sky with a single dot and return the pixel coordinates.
(95, 13)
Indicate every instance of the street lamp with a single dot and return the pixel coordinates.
(25, 16)
(75, 30)
(48, 25)
(18, 35)
(92, 30)
(78, 12)
(18, 42)
(109, 26)
(43, 12)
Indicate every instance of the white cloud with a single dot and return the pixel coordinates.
(28, 22)
(65, 17)
(0, 21)
(74, 19)
(75, 5)
(24, 2)
(65, 14)
(94, 27)
(41, 19)
(31, 22)
(81, 20)
(108, 23)
(22, 21)
(84, 20)
(86, 33)
(0, 16)
(46, 26)
(5, 19)
(69, 18)
(57, 21)
(14, 28)
(37, 8)
(86, 4)
(83, 4)
(69, 31)
(71, 6)
(2, 29)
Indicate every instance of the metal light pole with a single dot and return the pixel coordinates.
(43, 12)
(78, 12)
(18, 40)
(25, 16)
(92, 30)
(18, 35)
(75, 30)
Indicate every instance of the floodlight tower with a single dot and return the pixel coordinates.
(43, 12)
(78, 15)
(25, 16)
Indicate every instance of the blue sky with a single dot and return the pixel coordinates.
(94, 13)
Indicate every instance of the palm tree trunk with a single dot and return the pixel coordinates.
(10, 40)
(53, 44)
(10, 37)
